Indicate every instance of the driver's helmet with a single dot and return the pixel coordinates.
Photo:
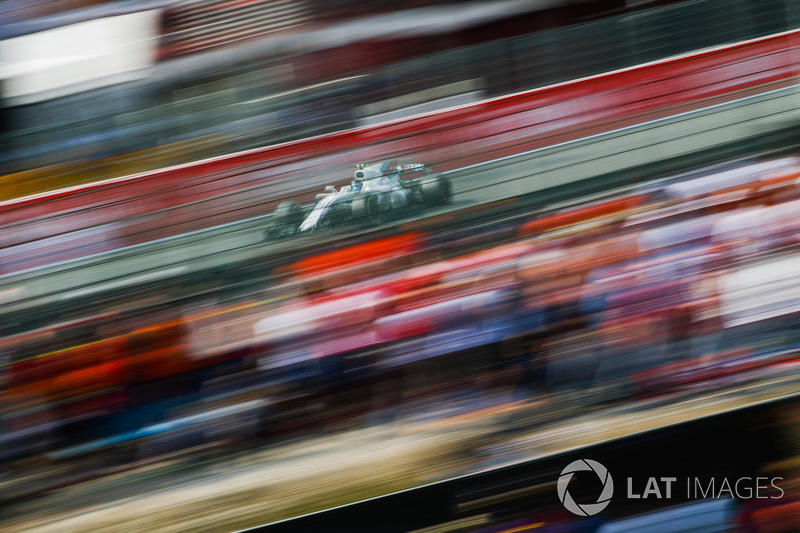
(355, 185)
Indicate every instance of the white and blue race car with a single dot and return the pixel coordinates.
(377, 194)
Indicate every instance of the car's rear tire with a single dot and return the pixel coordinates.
(436, 190)
(289, 213)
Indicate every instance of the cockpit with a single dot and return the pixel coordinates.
(364, 173)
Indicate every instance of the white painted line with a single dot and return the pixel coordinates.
(151, 276)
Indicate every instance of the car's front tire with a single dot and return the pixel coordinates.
(289, 214)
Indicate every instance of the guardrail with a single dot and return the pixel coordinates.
(62, 224)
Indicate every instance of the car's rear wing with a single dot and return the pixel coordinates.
(409, 168)
(404, 167)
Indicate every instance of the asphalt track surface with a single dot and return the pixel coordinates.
(569, 165)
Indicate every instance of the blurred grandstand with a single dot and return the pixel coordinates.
(638, 295)
(333, 76)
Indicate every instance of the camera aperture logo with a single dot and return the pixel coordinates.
(696, 488)
(586, 509)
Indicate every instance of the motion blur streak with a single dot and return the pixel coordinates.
(609, 245)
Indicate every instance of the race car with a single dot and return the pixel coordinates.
(377, 194)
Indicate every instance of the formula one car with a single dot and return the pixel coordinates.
(377, 193)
